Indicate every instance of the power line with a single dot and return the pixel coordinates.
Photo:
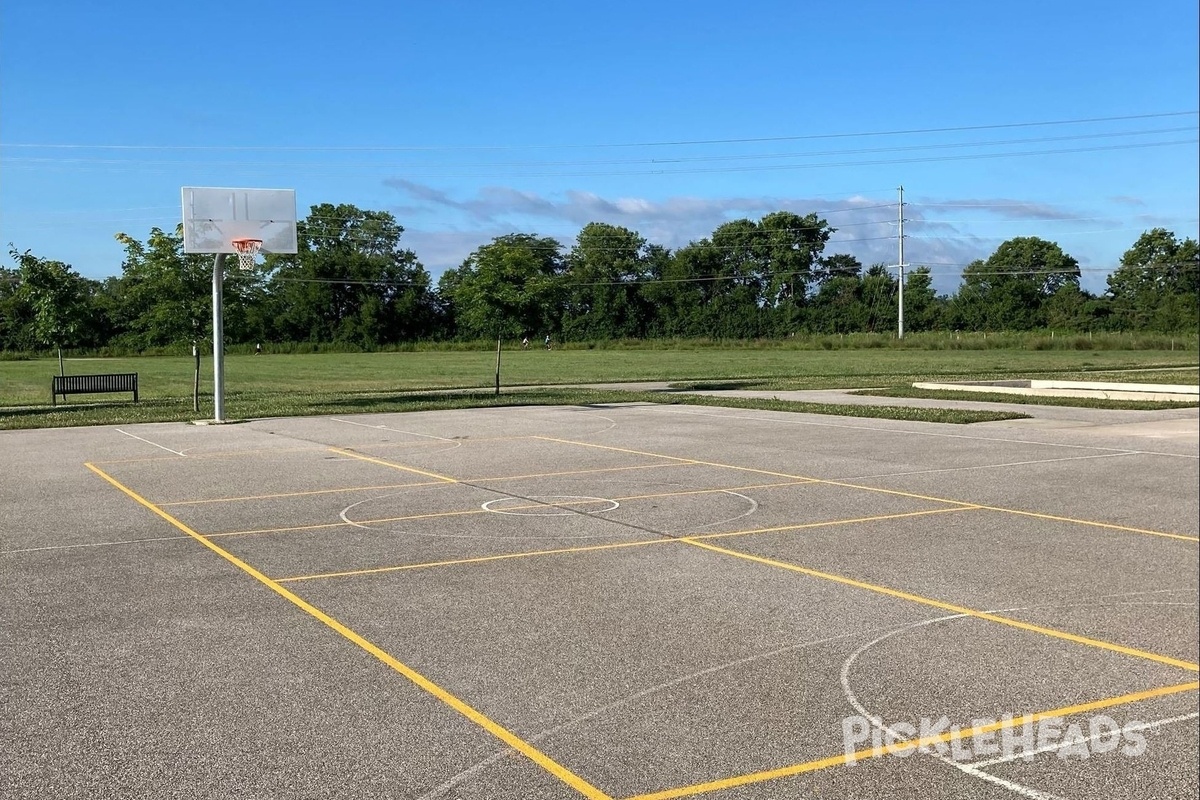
(1165, 265)
(674, 143)
(1057, 234)
(611, 162)
(269, 169)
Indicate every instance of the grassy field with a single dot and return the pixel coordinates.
(282, 384)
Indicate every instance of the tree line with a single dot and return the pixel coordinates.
(353, 283)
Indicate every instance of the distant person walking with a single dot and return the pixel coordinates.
(258, 349)
(525, 343)
(547, 341)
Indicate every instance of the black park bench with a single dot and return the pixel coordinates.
(93, 384)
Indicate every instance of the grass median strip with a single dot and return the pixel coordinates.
(1036, 400)
(288, 404)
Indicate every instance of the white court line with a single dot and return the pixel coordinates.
(1123, 450)
(1147, 591)
(457, 442)
(612, 423)
(975, 769)
(987, 466)
(147, 441)
(753, 507)
(1028, 754)
(91, 544)
(471, 771)
(968, 769)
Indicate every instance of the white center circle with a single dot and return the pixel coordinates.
(551, 505)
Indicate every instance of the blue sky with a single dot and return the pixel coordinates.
(471, 120)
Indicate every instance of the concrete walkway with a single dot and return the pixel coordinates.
(1170, 423)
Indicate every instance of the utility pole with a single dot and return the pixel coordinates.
(900, 318)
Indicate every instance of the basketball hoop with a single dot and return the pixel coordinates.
(247, 251)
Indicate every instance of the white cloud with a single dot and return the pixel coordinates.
(866, 227)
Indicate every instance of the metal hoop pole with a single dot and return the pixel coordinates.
(218, 339)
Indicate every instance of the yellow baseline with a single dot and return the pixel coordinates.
(879, 490)
(970, 612)
(477, 717)
(910, 745)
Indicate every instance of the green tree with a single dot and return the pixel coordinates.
(837, 306)
(922, 306)
(351, 281)
(1009, 290)
(1157, 285)
(790, 248)
(837, 265)
(164, 296)
(1068, 309)
(604, 273)
(57, 296)
(749, 279)
(16, 314)
(684, 283)
(879, 290)
(509, 287)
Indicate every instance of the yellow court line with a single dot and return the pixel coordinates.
(444, 440)
(391, 464)
(692, 461)
(688, 492)
(1019, 512)
(880, 490)
(477, 560)
(590, 548)
(441, 480)
(217, 454)
(851, 521)
(380, 520)
(574, 472)
(1111, 525)
(213, 455)
(970, 612)
(319, 526)
(908, 746)
(298, 494)
(495, 729)
(143, 459)
(292, 529)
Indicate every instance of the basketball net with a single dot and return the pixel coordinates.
(247, 252)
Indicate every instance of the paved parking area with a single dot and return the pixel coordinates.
(613, 601)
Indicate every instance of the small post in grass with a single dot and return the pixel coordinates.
(196, 379)
(498, 339)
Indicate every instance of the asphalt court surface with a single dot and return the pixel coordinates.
(620, 601)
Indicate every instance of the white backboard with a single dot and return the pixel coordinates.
(213, 217)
